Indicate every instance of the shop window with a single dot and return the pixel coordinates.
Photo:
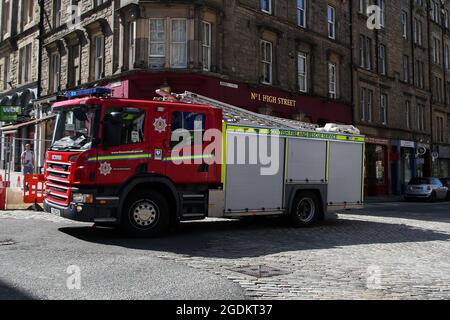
(124, 126)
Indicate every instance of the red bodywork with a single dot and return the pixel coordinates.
(65, 170)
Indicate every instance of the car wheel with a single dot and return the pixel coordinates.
(145, 214)
(305, 209)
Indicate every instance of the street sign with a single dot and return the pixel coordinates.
(9, 113)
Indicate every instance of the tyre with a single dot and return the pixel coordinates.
(145, 214)
(305, 209)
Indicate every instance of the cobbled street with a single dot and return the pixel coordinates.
(386, 251)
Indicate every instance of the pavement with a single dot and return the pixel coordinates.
(389, 250)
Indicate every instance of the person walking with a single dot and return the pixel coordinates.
(27, 160)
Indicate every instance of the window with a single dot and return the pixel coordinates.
(406, 67)
(435, 11)
(5, 17)
(362, 6)
(302, 72)
(56, 13)
(301, 13)
(446, 57)
(191, 122)
(99, 2)
(420, 79)
(55, 72)
(440, 129)
(408, 114)
(131, 44)
(366, 104)
(27, 12)
(25, 64)
(383, 108)
(178, 46)
(206, 46)
(404, 24)
(7, 73)
(99, 61)
(266, 6)
(417, 31)
(74, 65)
(436, 50)
(332, 80)
(446, 17)
(266, 62)
(420, 117)
(380, 4)
(382, 59)
(365, 52)
(124, 126)
(331, 22)
(157, 43)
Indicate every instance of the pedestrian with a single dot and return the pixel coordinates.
(27, 160)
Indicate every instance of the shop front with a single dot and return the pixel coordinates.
(441, 161)
(376, 167)
(261, 99)
(403, 164)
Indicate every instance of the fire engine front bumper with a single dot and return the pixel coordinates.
(100, 213)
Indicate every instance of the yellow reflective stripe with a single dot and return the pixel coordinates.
(299, 134)
(193, 157)
(121, 157)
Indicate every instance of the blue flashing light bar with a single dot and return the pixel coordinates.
(87, 92)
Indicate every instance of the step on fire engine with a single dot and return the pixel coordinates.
(144, 165)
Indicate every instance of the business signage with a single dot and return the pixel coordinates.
(9, 113)
(272, 99)
(407, 144)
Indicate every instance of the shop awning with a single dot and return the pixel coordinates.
(14, 127)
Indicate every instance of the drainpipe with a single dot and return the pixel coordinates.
(430, 79)
(352, 90)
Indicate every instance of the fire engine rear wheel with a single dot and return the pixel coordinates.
(305, 209)
(145, 214)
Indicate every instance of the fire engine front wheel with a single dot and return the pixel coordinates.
(145, 214)
(305, 209)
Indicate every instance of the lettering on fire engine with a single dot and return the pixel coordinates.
(272, 99)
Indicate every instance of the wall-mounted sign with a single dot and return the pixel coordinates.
(407, 144)
(9, 113)
(229, 85)
(272, 99)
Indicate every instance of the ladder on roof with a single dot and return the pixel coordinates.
(236, 115)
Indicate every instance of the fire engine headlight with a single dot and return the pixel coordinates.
(83, 198)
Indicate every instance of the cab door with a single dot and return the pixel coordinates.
(185, 159)
(125, 147)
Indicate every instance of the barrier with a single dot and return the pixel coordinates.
(34, 187)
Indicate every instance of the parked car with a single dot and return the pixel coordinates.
(446, 182)
(426, 188)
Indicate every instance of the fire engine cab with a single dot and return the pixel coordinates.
(144, 165)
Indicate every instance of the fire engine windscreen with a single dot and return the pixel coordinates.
(74, 128)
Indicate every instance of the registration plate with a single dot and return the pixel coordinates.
(55, 211)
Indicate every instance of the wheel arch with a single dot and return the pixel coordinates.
(160, 184)
(318, 190)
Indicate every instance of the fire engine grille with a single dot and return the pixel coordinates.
(57, 186)
(260, 271)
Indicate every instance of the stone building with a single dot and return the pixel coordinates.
(400, 91)
(19, 74)
(286, 58)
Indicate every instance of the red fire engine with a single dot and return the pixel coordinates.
(121, 162)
